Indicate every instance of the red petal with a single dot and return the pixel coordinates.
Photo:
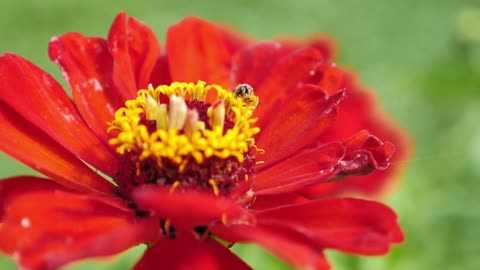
(87, 67)
(135, 50)
(45, 229)
(265, 202)
(253, 64)
(188, 209)
(306, 112)
(186, 252)
(197, 50)
(285, 75)
(293, 248)
(26, 143)
(350, 225)
(234, 40)
(357, 112)
(326, 45)
(364, 153)
(16, 186)
(161, 72)
(306, 167)
(36, 96)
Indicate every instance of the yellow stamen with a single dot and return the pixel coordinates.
(259, 150)
(259, 162)
(214, 185)
(174, 186)
(180, 136)
(191, 123)
(217, 114)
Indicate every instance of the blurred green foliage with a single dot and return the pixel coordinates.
(421, 57)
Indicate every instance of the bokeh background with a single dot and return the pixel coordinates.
(421, 57)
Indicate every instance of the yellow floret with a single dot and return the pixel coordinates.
(177, 146)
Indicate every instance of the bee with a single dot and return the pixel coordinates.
(245, 92)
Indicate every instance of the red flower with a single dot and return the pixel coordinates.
(191, 162)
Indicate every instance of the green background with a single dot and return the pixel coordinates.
(421, 57)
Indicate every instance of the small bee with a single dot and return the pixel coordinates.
(246, 93)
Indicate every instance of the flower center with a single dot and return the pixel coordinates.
(186, 135)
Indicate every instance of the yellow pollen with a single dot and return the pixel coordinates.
(259, 162)
(259, 150)
(158, 123)
(214, 185)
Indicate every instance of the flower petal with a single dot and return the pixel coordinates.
(15, 186)
(325, 44)
(234, 39)
(254, 63)
(289, 246)
(47, 228)
(358, 112)
(306, 112)
(188, 209)
(38, 98)
(306, 167)
(87, 67)
(135, 49)
(186, 252)
(364, 153)
(160, 72)
(266, 202)
(290, 71)
(197, 50)
(351, 225)
(26, 143)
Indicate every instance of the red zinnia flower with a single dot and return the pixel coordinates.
(194, 166)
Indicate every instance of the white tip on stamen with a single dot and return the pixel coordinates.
(217, 117)
(177, 112)
(191, 123)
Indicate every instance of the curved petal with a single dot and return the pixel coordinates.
(188, 209)
(87, 67)
(135, 49)
(364, 153)
(351, 225)
(358, 112)
(38, 98)
(289, 246)
(26, 143)
(47, 228)
(306, 167)
(197, 50)
(186, 252)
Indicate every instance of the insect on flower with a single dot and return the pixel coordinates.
(246, 93)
